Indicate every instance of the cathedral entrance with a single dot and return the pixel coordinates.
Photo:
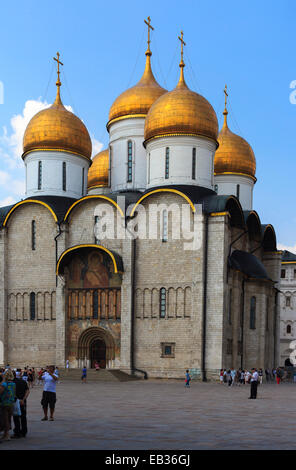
(98, 353)
(96, 344)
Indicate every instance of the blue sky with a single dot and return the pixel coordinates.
(248, 45)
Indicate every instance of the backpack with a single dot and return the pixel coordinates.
(8, 396)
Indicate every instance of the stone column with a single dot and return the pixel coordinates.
(61, 314)
(126, 306)
(3, 299)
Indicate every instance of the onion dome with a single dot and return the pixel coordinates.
(181, 112)
(56, 128)
(234, 155)
(98, 172)
(136, 101)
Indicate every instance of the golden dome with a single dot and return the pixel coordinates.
(98, 173)
(136, 101)
(234, 154)
(181, 111)
(55, 128)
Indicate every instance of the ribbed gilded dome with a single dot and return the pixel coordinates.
(234, 154)
(99, 170)
(181, 111)
(136, 101)
(55, 128)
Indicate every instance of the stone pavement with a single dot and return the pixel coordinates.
(162, 414)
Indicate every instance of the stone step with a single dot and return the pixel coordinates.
(112, 375)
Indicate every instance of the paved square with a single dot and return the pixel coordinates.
(162, 414)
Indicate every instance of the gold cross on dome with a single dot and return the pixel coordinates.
(183, 43)
(226, 94)
(58, 70)
(148, 21)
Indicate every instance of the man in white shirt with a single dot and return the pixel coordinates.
(254, 384)
(49, 392)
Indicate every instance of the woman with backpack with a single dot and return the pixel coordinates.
(7, 399)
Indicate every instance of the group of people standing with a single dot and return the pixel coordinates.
(14, 391)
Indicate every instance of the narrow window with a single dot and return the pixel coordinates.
(289, 329)
(97, 229)
(148, 168)
(167, 162)
(110, 165)
(64, 176)
(283, 273)
(165, 226)
(32, 306)
(229, 306)
(95, 305)
(237, 191)
(33, 235)
(253, 313)
(82, 182)
(129, 161)
(39, 175)
(216, 188)
(294, 273)
(193, 163)
(162, 302)
(288, 301)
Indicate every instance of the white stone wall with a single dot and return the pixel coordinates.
(227, 184)
(180, 161)
(52, 174)
(120, 133)
(287, 312)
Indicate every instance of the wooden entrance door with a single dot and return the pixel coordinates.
(98, 353)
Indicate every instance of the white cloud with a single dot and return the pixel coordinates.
(285, 247)
(8, 201)
(11, 149)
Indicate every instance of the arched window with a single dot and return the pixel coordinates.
(33, 237)
(288, 301)
(167, 163)
(39, 175)
(95, 305)
(216, 188)
(32, 306)
(194, 163)
(162, 309)
(64, 176)
(289, 329)
(253, 313)
(237, 191)
(129, 161)
(165, 226)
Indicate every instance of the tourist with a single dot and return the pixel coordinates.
(225, 376)
(229, 378)
(20, 422)
(30, 378)
(242, 378)
(97, 365)
(84, 374)
(7, 397)
(187, 379)
(221, 376)
(267, 375)
(25, 374)
(254, 384)
(233, 374)
(260, 373)
(247, 377)
(67, 365)
(278, 374)
(56, 371)
(39, 381)
(49, 392)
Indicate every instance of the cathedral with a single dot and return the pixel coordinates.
(95, 263)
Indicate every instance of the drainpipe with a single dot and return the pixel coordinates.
(242, 322)
(132, 347)
(204, 316)
(56, 247)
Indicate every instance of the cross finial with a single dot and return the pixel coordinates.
(183, 43)
(148, 23)
(226, 95)
(58, 83)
